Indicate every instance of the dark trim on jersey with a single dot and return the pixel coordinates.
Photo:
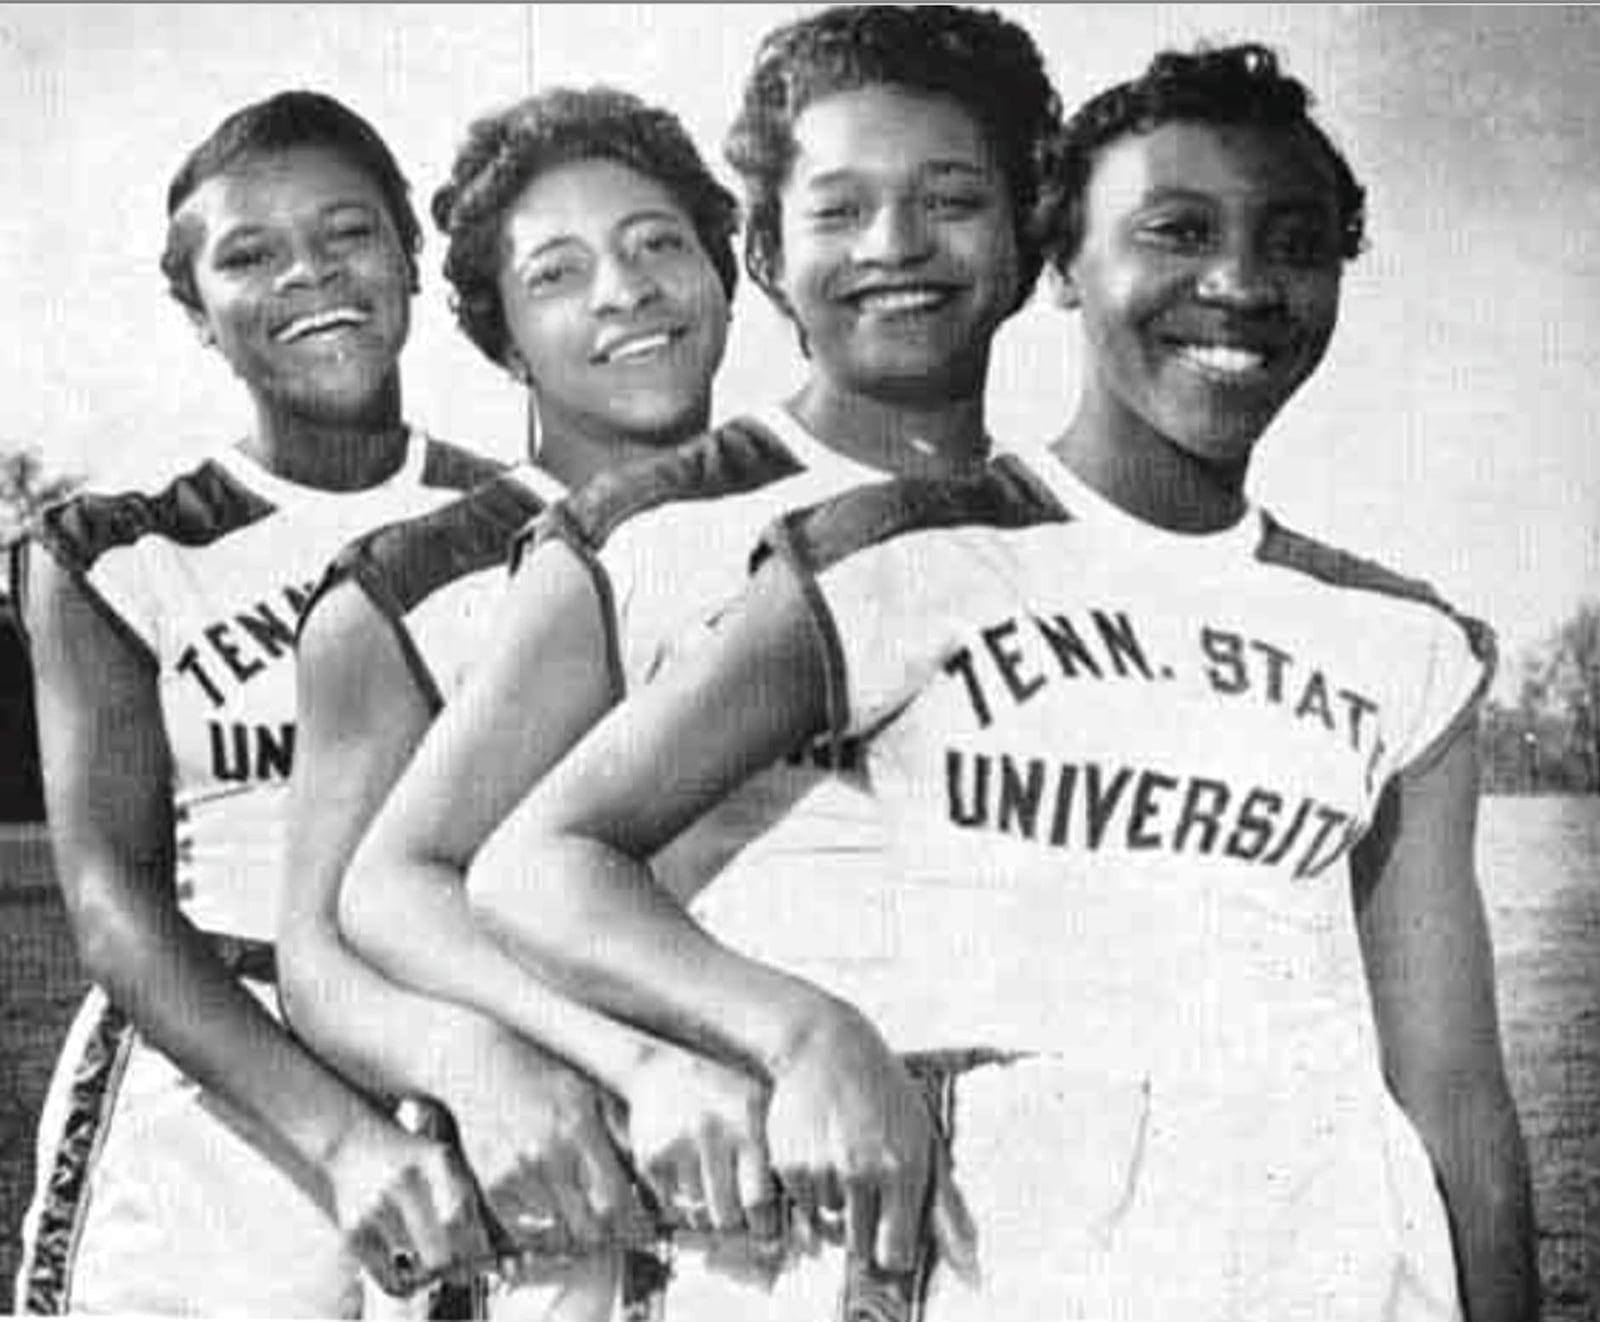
(737, 457)
(1007, 494)
(446, 464)
(195, 509)
(1287, 549)
(401, 564)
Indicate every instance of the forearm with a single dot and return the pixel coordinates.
(421, 931)
(1476, 1143)
(596, 921)
(186, 1003)
(387, 1038)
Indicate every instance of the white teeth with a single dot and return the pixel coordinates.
(900, 300)
(321, 321)
(639, 348)
(1224, 359)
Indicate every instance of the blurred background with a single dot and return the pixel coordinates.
(1448, 433)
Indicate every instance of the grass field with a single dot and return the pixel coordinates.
(1542, 878)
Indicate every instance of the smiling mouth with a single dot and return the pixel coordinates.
(320, 323)
(901, 300)
(1231, 363)
(639, 348)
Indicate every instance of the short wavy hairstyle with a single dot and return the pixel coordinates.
(989, 65)
(296, 118)
(1238, 84)
(505, 151)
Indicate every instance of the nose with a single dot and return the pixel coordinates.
(1237, 276)
(897, 233)
(621, 285)
(309, 263)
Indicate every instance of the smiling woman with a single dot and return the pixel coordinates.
(193, 1157)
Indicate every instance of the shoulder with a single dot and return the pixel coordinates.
(1295, 552)
(1005, 496)
(197, 507)
(455, 467)
(739, 456)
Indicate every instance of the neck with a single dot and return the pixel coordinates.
(936, 439)
(572, 452)
(334, 455)
(1140, 470)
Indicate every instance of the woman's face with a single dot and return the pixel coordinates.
(303, 284)
(898, 246)
(1207, 279)
(615, 312)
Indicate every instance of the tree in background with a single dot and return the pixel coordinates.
(1549, 741)
(26, 489)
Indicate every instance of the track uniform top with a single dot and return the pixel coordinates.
(1120, 769)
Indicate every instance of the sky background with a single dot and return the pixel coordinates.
(1449, 433)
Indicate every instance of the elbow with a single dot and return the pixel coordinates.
(102, 939)
(362, 919)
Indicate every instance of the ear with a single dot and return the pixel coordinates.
(1063, 286)
(201, 325)
(517, 365)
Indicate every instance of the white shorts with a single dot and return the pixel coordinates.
(1105, 1201)
(148, 1199)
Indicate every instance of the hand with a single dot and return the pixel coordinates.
(405, 1204)
(534, 1132)
(695, 1128)
(854, 1145)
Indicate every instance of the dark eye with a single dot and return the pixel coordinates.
(663, 241)
(243, 259)
(838, 212)
(1302, 243)
(548, 277)
(1177, 233)
(955, 202)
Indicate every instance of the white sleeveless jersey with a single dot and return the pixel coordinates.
(1119, 766)
(437, 577)
(668, 543)
(206, 576)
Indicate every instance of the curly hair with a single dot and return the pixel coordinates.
(505, 151)
(285, 120)
(1238, 84)
(986, 63)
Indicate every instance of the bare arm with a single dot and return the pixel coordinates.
(107, 791)
(1431, 971)
(567, 878)
(531, 1129)
(542, 682)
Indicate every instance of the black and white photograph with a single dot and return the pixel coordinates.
(771, 662)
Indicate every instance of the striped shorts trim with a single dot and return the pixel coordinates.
(44, 1282)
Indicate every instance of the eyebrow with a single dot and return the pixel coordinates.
(632, 220)
(938, 168)
(1309, 201)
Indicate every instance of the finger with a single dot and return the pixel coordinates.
(534, 1219)
(690, 1201)
(463, 1215)
(758, 1190)
(720, 1180)
(802, 1195)
(423, 1230)
(394, 1260)
(572, 1206)
(607, 1185)
(861, 1216)
(955, 1233)
(369, 1247)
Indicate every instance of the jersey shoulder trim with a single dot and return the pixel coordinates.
(403, 563)
(1287, 549)
(445, 464)
(1006, 495)
(198, 508)
(738, 456)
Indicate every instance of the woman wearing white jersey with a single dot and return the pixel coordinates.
(591, 257)
(889, 154)
(1129, 734)
(193, 1157)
